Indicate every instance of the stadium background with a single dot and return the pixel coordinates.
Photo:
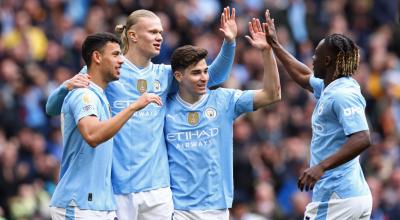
(40, 48)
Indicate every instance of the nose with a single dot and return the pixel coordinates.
(120, 59)
(159, 37)
(204, 77)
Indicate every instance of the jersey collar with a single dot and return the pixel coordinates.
(135, 68)
(96, 87)
(189, 105)
(340, 81)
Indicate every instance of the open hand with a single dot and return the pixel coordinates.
(270, 29)
(80, 80)
(228, 24)
(257, 36)
(146, 99)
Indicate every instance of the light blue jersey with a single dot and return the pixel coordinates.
(140, 155)
(140, 161)
(199, 140)
(85, 176)
(339, 112)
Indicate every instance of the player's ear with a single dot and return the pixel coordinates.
(96, 56)
(178, 75)
(328, 60)
(132, 35)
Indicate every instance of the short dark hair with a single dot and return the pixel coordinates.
(347, 54)
(96, 42)
(187, 55)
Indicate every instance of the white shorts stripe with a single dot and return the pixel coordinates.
(74, 213)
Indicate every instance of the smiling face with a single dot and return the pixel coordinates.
(111, 61)
(193, 80)
(146, 36)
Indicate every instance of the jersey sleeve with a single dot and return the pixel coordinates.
(317, 85)
(242, 101)
(222, 65)
(84, 102)
(55, 100)
(350, 111)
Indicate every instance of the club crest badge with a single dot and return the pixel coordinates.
(141, 86)
(210, 113)
(157, 86)
(193, 118)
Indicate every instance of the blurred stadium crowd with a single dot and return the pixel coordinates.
(40, 48)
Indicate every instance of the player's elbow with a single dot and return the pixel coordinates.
(92, 140)
(273, 95)
(93, 144)
(366, 141)
(277, 95)
(50, 111)
(265, 98)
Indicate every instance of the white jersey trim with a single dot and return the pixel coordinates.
(189, 105)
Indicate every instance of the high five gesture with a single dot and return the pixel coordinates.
(228, 24)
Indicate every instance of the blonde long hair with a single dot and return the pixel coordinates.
(133, 18)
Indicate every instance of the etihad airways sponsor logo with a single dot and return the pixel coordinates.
(193, 144)
(193, 135)
(146, 112)
(121, 104)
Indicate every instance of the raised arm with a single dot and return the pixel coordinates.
(221, 67)
(56, 98)
(271, 91)
(299, 72)
(96, 132)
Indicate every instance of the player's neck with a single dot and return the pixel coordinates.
(189, 98)
(137, 59)
(329, 76)
(96, 78)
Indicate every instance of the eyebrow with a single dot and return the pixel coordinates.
(195, 71)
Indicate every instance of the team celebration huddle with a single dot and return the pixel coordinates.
(145, 141)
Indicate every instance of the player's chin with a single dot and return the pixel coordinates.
(156, 52)
(116, 76)
(202, 91)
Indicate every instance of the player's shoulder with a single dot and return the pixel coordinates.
(347, 92)
(81, 91)
(225, 95)
(347, 96)
(160, 67)
(84, 95)
(224, 91)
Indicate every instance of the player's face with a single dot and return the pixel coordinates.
(147, 36)
(319, 60)
(195, 78)
(111, 61)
